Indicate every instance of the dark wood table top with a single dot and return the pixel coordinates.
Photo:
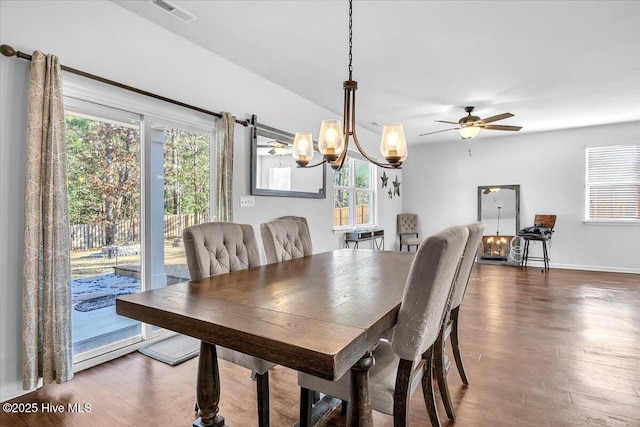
(318, 314)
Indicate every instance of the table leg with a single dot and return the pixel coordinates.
(359, 408)
(208, 388)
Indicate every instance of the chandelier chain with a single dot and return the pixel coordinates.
(350, 39)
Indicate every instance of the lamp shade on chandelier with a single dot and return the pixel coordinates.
(333, 139)
(302, 148)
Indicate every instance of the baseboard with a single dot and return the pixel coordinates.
(600, 268)
(17, 386)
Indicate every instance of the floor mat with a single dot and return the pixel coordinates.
(173, 350)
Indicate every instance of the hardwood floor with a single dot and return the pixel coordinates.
(555, 349)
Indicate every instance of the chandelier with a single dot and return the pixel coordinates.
(333, 139)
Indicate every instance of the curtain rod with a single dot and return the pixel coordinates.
(9, 51)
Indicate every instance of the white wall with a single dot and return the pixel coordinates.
(102, 38)
(441, 183)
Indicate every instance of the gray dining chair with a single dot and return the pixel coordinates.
(285, 239)
(450, 325)
(222, 247)
(407, 224)
(405, 360)
(295, 218)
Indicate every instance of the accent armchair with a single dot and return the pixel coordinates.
(408, 227)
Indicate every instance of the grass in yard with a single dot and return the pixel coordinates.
(89, 263)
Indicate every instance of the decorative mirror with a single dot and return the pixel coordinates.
(274, 171)
(499, 209)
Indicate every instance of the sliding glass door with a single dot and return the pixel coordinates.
(135, 182)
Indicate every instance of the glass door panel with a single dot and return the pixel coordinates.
(104, 168)
(187, 165)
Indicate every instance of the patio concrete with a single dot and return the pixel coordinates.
(99, 327)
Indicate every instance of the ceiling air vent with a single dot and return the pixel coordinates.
(174, 10)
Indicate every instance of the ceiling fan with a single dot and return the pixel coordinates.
(276, 148)
(469, 126)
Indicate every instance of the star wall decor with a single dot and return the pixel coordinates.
(384, 179)
(396, 186)
(390, 193)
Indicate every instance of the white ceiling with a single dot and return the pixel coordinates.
(554, 64)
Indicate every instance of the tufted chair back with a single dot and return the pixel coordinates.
(295, 218)
(219, 247)
(407, 223)
(285, 239)
(476, 230)
(427, 292)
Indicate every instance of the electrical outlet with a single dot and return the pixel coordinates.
(247, 202)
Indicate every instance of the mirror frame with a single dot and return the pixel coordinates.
(481, 188)
(259, 129)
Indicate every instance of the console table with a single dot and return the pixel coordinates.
(375, 235)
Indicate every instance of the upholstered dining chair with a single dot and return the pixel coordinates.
(408, 227)
(405, 360)
(285, 239)
(450, 325)
(295, 218)
(221, 247)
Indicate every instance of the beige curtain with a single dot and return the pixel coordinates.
(46, 308)
(224, 167)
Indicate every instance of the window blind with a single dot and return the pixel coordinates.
(613, 183)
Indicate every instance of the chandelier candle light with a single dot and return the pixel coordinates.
(333, 140)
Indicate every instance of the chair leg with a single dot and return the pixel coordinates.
(401, 394)
(262, 389)
(441, 374)
(306, 407)
(456, 345)
(427, 388)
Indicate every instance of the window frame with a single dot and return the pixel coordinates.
(353, 190)
(621, 181)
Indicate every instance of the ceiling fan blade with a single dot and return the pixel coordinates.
(438, 131)
(444, 121)
(496, 118)
(502, 127)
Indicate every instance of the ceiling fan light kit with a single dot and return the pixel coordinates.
(469, 131)
(333, 139)
(470, 126)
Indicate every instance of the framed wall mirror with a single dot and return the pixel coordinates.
(499, 209)
(274, 172)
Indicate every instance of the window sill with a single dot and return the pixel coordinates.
(631, 222)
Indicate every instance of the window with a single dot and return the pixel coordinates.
(613, 183)
(354, 194)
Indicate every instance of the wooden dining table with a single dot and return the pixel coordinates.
(321, 314)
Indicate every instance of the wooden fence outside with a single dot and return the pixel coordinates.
(341, 215)
(94, 236)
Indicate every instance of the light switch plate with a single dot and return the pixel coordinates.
(247, 202)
